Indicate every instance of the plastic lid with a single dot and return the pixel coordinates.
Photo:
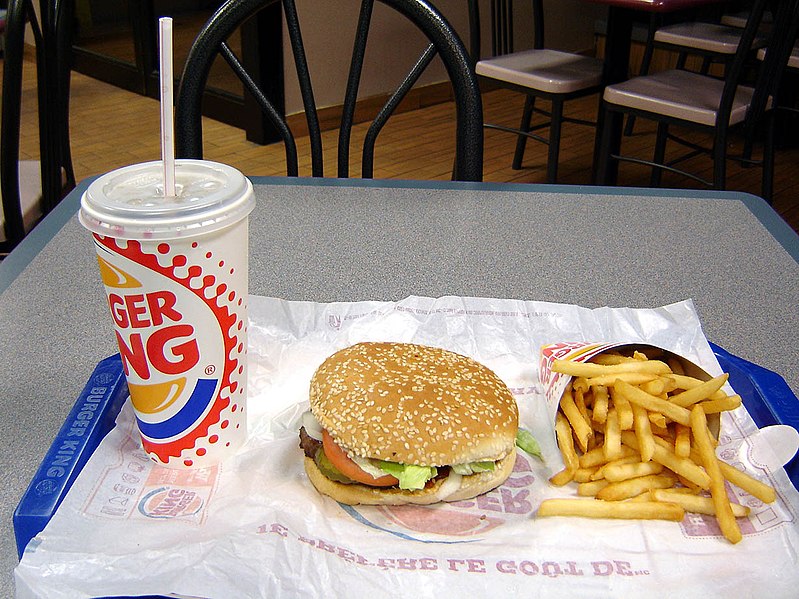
(129, 203)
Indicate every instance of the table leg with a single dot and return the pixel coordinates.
(615, 69)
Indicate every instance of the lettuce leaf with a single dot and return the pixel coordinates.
(473, 468)
(410, 477)
(526, 442)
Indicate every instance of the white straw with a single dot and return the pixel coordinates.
(167, 117)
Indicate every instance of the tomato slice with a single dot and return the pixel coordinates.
(350, 469)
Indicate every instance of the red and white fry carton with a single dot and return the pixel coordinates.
(555, 383)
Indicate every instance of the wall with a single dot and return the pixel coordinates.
(394, 44)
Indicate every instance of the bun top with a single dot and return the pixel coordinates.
(414, 404)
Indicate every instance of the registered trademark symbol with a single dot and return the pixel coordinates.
(210, 369)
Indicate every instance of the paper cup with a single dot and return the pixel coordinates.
(175, 274)
(555, 383)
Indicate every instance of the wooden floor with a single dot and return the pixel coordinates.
(111, 128)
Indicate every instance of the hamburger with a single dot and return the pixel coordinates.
(399, 423)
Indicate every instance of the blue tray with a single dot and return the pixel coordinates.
(766, 395)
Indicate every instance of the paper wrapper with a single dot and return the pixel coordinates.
(255, 527)
(555, 383)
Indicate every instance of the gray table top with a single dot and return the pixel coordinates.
(334, 240)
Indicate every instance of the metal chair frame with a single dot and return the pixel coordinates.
(759, 112)
(51, 32)
(502, 43)
(443, 42)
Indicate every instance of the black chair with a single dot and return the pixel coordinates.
(702, 102)
(538, 73)
(710, 35)
(30, 189)
(443, 42)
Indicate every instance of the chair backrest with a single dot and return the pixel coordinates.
(443, 42)
(57, 173)
(769, 71)
(782, 38)
(502, 27)
(17, 15)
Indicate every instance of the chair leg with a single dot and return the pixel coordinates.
(659, 155)
(646, 62)
(767, 185)
(720, 158)
(608, 125)
(521, 141)
(554, 141)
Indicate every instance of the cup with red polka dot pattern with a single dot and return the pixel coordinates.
(176, 281)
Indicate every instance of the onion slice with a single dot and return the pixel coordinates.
(449, 486)
(312, 426)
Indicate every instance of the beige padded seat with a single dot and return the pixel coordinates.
(548, 71)
(30, 191)
(793, 60)
(679, 94)
(738, 19)
(707, 37)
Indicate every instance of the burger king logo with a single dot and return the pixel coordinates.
(170, 503)
(457, 522)
(179, 328)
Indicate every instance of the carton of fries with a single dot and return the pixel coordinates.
(555, 383)
(637, 427)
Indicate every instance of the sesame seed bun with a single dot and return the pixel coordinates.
(414, 404)
(358, 494)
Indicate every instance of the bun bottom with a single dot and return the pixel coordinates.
(358, 494)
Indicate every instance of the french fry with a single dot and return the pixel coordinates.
(608, 358)
(676, 366)
(601, 396)
(633, 434)
(658, 420)
(580, 425)
(624, 489)
(652, 403)
(624, 411)
(718, 492)
(616, 472)
(584, 475)
(566, 444)
(643, 432)
(656, 387)
(700, 392)
(742, 480)
(664, 455)
(581, 383)
(596, 457)
(612, 444)
(682, 440)
(694, 503)
(724, 404)
(588, 508)
(600, 472)
(591, 488)
(588, 369)
(634, 378)
(561, 478)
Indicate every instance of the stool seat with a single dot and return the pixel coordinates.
(707, 37)
(30, 195)
(679, 94)
(548, 71)
(793, 59)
